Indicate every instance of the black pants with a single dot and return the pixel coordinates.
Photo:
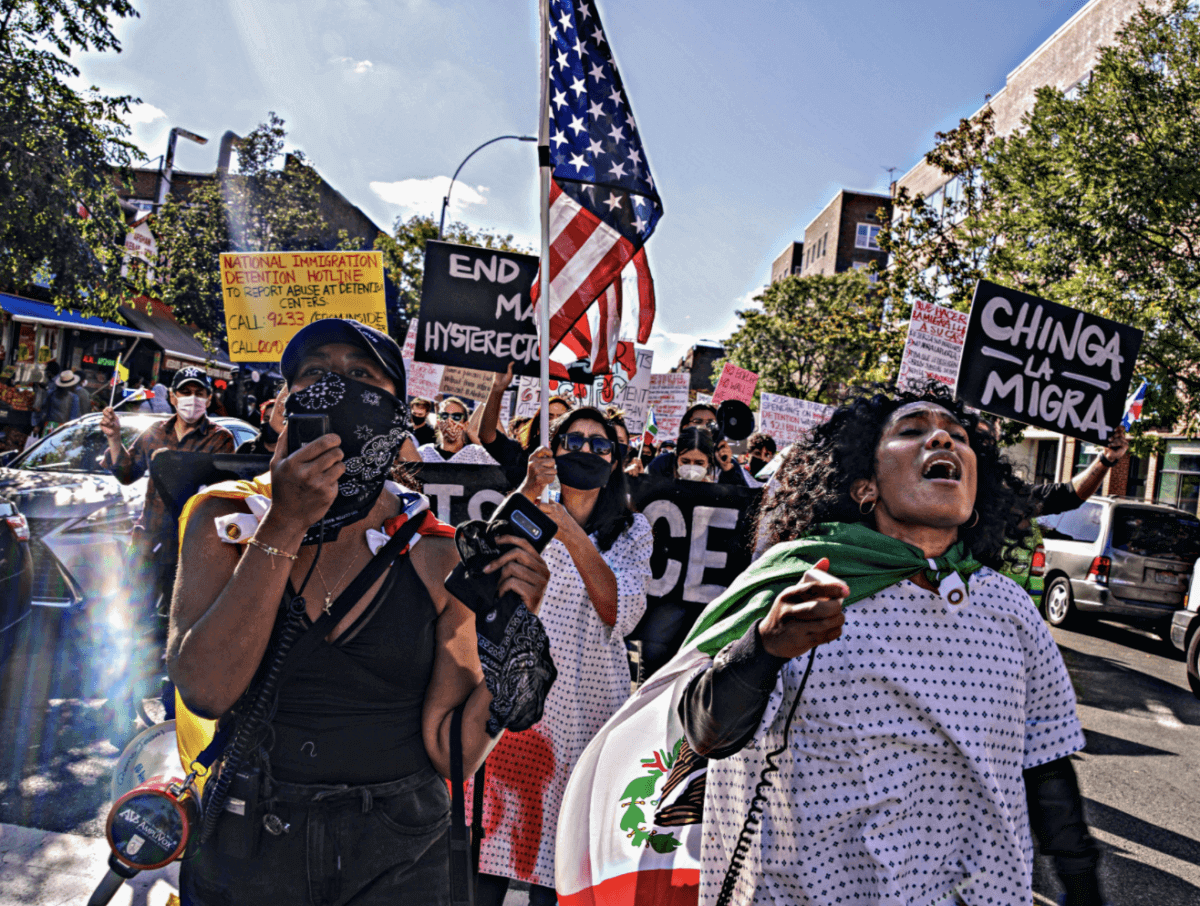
(345, 846)
(490, 890)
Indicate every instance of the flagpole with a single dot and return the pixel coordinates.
(544, 172)
(112, 393)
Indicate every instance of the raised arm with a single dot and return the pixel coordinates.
(225, 597)
(491, 409)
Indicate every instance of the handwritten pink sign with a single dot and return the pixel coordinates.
(735, 384)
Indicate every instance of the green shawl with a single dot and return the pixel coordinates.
(864, 559)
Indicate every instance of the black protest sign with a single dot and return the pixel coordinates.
(460, 492)
(475, 309)
(702, 542)
(1046, 365)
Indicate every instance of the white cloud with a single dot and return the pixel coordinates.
(358, 66)
(424, 196)
(142, 114)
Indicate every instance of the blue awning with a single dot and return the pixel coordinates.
(31, 312)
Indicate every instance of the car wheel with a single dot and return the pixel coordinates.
(1193, 664)
(1059, 603)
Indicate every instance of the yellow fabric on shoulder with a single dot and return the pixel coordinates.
(192, 732)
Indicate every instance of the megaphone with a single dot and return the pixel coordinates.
(735, 420)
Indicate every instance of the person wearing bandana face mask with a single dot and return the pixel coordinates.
(359, 734)
(599, 566)
(150, 564)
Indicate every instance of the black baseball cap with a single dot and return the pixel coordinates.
(385, 350)
(194, 375)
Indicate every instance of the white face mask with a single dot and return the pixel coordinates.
(191, 408)
(692, 472)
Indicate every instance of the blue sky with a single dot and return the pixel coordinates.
(753, 114)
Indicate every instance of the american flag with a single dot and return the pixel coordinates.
(603, 203)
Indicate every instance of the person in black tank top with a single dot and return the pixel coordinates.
(352, 796)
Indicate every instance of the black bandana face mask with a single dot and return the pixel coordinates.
(372, 425)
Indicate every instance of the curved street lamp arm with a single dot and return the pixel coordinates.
(449, 188)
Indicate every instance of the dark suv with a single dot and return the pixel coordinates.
(1119, 558)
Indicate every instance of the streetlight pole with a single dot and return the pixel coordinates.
(168, 164)
(446, 197)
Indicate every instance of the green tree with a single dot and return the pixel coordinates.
(57, 145)
(260, 208)
(940, 246)
(816, 335)
(1098, 198)
(404, 253)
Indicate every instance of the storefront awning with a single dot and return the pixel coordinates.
(31, 312)
(175, 340)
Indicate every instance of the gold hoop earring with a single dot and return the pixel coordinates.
(869, 510)
(975, 521)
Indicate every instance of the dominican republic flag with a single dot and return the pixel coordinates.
(603, 203)
(1133, 407)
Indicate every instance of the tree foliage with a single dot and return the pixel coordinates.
(56, 148)
(404, 253)
(260, 208)
(1099, 198)
(940, 247)
(814, 336)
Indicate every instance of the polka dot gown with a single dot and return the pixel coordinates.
(528, 772)
(469, 455)
(902, 782)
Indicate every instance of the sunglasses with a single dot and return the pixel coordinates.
(598, 444)
(452, 416)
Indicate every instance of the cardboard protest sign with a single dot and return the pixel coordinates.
(786, 419)
(409, 349)
(466, 383)
(1045, 364)
(627, 388)
(424, 380)
(735, 384)
(935, 340)
(269, 296)
(529, 397)
(475, 309)
(457, 493)
(669, 399)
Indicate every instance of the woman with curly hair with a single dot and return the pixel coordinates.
(913, 708)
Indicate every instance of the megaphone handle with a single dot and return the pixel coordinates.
(116, 875)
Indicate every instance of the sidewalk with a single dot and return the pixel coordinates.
(41, 868)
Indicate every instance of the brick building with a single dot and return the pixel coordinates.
(843, 236)
(698, 361)
(788, 263)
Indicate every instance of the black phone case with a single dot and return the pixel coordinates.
(301, 428)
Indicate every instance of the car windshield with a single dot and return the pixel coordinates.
(79, 447)
(1155, 533)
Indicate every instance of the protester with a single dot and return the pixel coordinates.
(420, 407)
(702, 416)
(359, 731)
(455, 442)
(599, 566)
(271, 415)
(626, 455)
(891, 523)
(1058, 497)
(760, 450)
(695, 456)
(61, 404)
(160, 402)
(512, 451)
(152, 556)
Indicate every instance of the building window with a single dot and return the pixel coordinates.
(867, 237)
(824, 242)
(1046, 468)
(1179, 480)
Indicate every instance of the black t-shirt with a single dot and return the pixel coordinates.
(513, 458)
(1053, 497)
(425, 434)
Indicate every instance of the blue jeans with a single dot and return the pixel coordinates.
(345, 846)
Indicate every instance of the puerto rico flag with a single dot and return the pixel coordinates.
(1133, 407)
(603, 202)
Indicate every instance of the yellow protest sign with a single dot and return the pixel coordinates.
(269, 296)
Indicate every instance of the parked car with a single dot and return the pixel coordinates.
(16, 579)
(1120, 558)
(80, 517)
(1185, 631)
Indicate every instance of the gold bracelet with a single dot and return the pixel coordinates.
(273, 551)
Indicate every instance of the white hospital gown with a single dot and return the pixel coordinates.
(469, 455)
(528, 772)
(902, 780)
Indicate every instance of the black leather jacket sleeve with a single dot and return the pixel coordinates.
(722, 707)
(1056, 819)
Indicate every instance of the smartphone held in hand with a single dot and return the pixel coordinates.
(304, 429)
